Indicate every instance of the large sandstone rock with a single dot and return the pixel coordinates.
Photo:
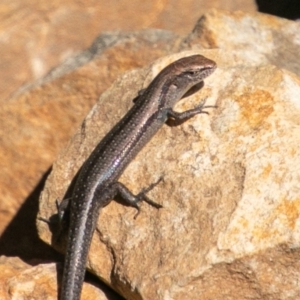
(229, 226)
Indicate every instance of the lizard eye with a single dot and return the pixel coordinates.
(191, 73)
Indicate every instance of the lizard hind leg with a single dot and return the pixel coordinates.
(133, 200)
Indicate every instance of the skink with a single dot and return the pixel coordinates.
(97, 181)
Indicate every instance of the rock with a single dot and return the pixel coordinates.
(229, 225)
(20, 280)
(229, 195)
(251, 39)
(38, 123)
(31, 44)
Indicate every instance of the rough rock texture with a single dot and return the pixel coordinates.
(38, 123)
(19, 280)
(36, 36)
(252, 38)
(230, 223)
(229, 191)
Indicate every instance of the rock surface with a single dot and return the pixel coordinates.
(253, 39)
(38, 123)
(19, 280)
(229, 191)
(230, 222)
(36, 36)
(229, 225)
